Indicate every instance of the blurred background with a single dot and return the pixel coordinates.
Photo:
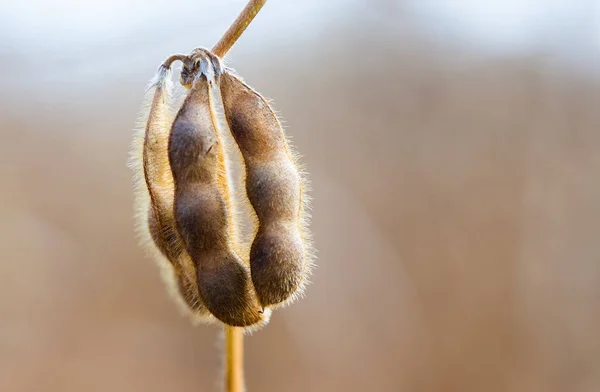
(454, 152)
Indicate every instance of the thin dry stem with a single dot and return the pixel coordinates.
(234, 337)
(237, 27)
(234, 354)
(173, 58)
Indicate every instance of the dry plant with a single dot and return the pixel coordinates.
(184, 204)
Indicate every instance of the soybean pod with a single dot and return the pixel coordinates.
(201, 205)
(154, 198)
(280, 255)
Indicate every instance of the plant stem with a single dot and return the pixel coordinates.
(237, 27)
(234, 337)
(234, 356)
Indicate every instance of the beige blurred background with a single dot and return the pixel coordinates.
(454, 148)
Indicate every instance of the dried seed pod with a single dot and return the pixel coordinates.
(280, 256)
(154, 196)
(203, 220)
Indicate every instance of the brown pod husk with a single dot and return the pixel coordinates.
(281, 254)
(154, 195)
(201, 204)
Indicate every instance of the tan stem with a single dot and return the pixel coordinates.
(234, 357)
(237, 27)
(234, 337)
